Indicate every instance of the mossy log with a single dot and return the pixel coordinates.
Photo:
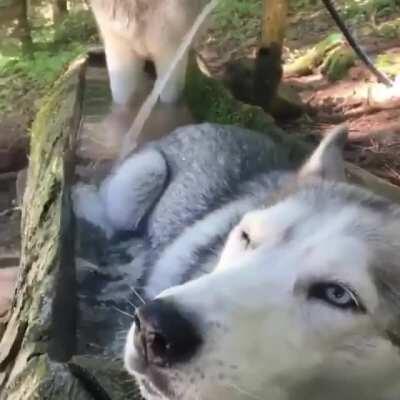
(314, 57)
(337, 62)
(27, 370)
(37, 351)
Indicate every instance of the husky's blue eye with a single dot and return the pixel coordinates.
(335, 295)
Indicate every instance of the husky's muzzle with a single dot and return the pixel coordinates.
(164, 336)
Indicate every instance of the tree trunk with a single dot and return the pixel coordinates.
(14, 22)
(60, 10)
(259, 83)
(274, 22)
(268, 71)
(25, 28)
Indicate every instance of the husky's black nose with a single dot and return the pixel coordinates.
(163, 335)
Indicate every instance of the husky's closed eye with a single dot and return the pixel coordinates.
(335, 294)
(245, 239)
(296, 307)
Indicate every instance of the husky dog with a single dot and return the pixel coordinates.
(137, 30)
(268, 284)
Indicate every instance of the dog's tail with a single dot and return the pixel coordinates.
(354, 45)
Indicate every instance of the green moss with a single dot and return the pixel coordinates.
(390, 29)
(52, 135)
(314, 56)
(338, 62)
(77, 27)
(53, 119)
(361, 10)
(237, 20)
(389, 63)
(210, 101)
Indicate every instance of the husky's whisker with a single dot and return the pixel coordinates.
(97, 346)
(121, 335)
(131, 304)
(124, 312)
(122, 332)
(136, 293)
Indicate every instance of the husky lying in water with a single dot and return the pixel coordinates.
(300, 301)
(136, 30)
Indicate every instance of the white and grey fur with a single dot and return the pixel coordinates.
(263, 335)
(184, 193)
(137, 30)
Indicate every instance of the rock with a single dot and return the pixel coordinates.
(13, 145)
(8, 279)
(20, 185)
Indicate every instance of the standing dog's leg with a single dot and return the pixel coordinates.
(125, 68)
(176, 83)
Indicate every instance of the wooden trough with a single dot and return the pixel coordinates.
(65, 331)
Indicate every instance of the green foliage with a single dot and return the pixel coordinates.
(25, 78)
(389, 29)
(43, 67)
(78, 26)
(238, 18)
(6, 3)
(303, 4)
(28, 77)
(389, 63)
(362, 9)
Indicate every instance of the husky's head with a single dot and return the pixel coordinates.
(303, 305)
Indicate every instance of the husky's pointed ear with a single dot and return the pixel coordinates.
(327, 160)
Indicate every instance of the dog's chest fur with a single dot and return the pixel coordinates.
(146, 23)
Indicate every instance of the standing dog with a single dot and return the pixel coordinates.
(137, 30)
(300, 301)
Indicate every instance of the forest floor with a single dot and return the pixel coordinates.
(374, 133)
(374, 129)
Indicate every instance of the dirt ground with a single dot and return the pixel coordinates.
(374, 133)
